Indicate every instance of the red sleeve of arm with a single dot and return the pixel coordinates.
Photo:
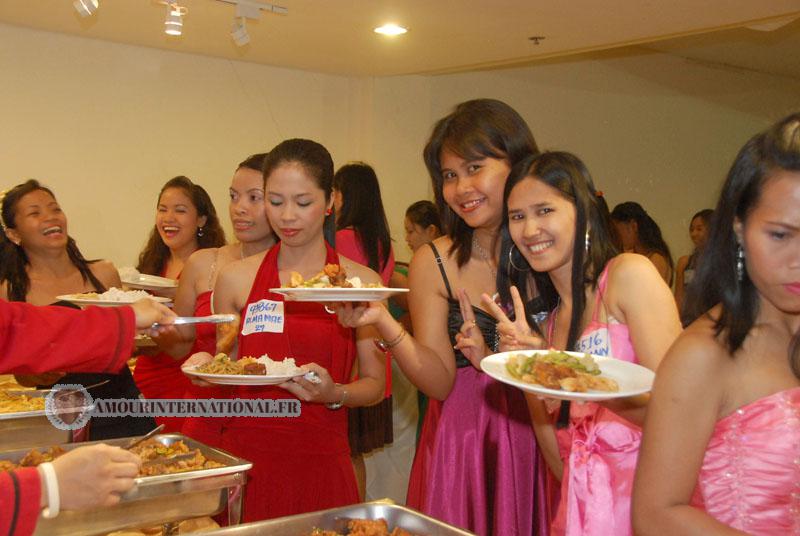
(20, 494)
(41, 339)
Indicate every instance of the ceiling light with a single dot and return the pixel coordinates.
(173, 24)
(85, 7)
(390, 29)
(239, 32)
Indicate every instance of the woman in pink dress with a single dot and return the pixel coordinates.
(721, 450)
(598, 302)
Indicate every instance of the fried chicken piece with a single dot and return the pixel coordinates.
(336, 275)
(368, 527)
(6, 465)
(295, 280)
(550, 375)
(226, 335)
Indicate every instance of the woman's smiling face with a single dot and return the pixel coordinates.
(473, 189)
(177, 219)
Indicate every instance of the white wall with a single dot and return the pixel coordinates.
(106, 125)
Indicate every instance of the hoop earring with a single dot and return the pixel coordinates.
(200, 232)
(511, 260)
(587, 243)
(739, 263)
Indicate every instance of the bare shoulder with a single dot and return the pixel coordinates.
(627, 268)
(240, 272)
(106, 272)
(201, 258)
(682, 262)
(425, 258)
(698, 357)
(352, 268)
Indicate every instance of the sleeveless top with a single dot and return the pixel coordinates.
(485, 322)
(750, 477)
(599, 448)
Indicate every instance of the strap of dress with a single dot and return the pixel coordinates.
(601, 290)
(213, 270)
(441, 269)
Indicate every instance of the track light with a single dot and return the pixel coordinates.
(173, 24)
(85, 7)
(239, 32)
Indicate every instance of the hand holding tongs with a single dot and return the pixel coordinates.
(211, 319)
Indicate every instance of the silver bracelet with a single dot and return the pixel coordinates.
(339, 404)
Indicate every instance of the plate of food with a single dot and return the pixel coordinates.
(333, 285)
(133, 279)
(222, 370)
(569, 375)
(111, 298)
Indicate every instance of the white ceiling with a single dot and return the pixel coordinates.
(335, 36)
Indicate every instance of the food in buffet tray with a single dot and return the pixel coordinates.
(149, 451)
(261, 366)
(365, 527)
(559, 370)
(13, 403)
(332, 276)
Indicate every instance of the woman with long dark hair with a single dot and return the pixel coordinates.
(301, 463)
(186, 220)
(597, 302)
(687, 265)
(722, 437)
(477, 463)
(41, 262)
(639, 233)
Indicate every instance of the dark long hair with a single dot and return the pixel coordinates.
(566, 173)
(254, 162)
(362, 209)
(317, 162)
(482, 128)
(717, 281)
(13, 269)
(153, 258)
(424, 213)
(649, 233)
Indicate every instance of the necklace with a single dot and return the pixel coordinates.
(485, 256)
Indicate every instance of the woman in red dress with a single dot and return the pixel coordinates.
(185, 221)
(193, 297)
(301, 463)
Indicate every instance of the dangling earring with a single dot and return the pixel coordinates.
(587, 242)
(740, 262)
(511, 260)
(200, 232)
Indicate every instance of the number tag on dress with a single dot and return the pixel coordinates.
(264, 316)
(595, 342)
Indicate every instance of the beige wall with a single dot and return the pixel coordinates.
(106, 125)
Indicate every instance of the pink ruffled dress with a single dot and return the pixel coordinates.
(750, 478)
(599, 448)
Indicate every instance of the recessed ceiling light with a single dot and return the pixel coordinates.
(390, 29)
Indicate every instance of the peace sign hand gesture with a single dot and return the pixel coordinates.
(516, 335)
(469, 338)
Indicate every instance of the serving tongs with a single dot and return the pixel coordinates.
(148, 435)
(164, 460)
(211, 319)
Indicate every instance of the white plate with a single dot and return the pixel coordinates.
(338, 294)
(79, 299)
(632, 379)
(150, 282)
(239, 379)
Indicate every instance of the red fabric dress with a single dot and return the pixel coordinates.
(34, 340)
(207, 430)
(159, 376)
(300, 464)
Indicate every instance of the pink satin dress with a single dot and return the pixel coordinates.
(750, 478)
(599, 448)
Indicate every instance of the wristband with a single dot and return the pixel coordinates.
(51, 482)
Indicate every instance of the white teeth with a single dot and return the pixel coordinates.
(170, 229)
(470, 204)
(541, 246)
(51, 230)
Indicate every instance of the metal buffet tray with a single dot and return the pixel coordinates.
(302, 524)
(30, 428)
(157, 499)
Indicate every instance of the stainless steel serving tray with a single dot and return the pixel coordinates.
(157, 499)
(301, 525)
(30, 428)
